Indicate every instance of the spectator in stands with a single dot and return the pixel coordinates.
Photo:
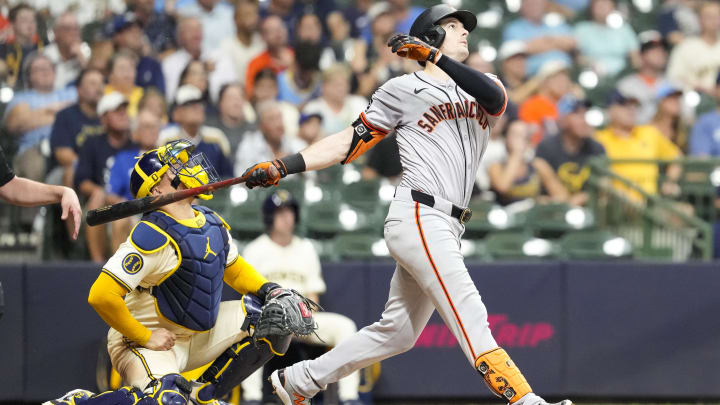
(31, 113)
(101, 51)
(94, 161)
(269, 142)
(678, 20)
(694, 62)
(705, 137)
(27, 193)
(190, 39)
(310, 128)
(309, 29)
(278, 56)
(282, 257)
(127, 34)
(495, 151)
(343, 47)
(145, 132)
(290, 11)
(336, 105)
(196, 74)
(383, 65)
(356, 14)
(404, 13)
(123, 67)
(231, 117)
(69, 53)
(606, 57)
(622, 139)
(541, 109)
(544, 42)
(650, 76)
(154, 101)
(516, 177)
(668, 119)
(513, 57)
(247, 43)
(159, 27)
(265, 89)
(217, 21)
(189, 115)
(74, 124)
(24, 42)
(561, 161)
(477, 62)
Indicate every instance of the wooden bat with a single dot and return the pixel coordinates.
(150, 203)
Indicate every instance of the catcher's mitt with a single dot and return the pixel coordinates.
(286, 312)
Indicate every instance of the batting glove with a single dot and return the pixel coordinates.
(265, 174)
(412, 48)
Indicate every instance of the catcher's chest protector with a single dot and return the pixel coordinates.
(191, 295)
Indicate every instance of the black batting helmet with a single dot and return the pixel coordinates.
(425, 25)
(275, 201)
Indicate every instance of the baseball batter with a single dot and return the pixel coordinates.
(442, 118)
(161, 295)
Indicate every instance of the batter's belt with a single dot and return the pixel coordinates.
(461, 214)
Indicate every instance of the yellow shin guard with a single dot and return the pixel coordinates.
(502, 375)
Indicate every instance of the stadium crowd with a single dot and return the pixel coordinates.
(89, 85)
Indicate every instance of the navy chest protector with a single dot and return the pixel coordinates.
(190, 296)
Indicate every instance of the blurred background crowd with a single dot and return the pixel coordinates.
(611, 125)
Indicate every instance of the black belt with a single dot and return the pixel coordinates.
(462, 214)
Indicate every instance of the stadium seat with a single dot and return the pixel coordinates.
(479, 224)
(514, 245)
(322, 220)
(245, 219)
(363, 195)
(594, 245)
(360, 246)
(554, 219)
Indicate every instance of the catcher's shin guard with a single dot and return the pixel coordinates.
(502, 375)
(236, 364)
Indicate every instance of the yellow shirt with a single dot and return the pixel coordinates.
(644, 142)
(133, 98)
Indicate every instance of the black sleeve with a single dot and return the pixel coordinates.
(6, 173)
(487, 93)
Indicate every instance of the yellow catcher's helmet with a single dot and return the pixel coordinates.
(192, 170)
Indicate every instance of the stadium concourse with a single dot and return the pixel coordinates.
(604, 166)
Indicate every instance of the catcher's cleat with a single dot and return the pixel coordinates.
(71, 397)
(284, 391)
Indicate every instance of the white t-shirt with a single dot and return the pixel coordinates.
(333, 122)
(295, 266)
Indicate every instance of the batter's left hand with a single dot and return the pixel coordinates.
(265, 174)
(71, 207)
(413, 48)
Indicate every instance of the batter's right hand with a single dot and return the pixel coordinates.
(161, 340)
(265, 174)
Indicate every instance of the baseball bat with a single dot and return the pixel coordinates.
(141, 205)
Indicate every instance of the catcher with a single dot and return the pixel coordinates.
(160, 293)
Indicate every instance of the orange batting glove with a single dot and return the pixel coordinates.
(413, 48)
(265, 174)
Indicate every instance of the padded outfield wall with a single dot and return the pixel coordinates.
(591, 329)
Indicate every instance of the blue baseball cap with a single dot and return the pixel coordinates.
(616, 97)
(122, 21)
(667, 90)
(305, 117)
(570, 104)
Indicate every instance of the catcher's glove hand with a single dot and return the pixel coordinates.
(413, 48)
(286, 312)
(265, 174)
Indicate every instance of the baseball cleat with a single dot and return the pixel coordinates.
(70, 397)
(284, 391)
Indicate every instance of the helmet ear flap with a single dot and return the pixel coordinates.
(434, 36)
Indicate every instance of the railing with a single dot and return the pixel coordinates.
(677, 227)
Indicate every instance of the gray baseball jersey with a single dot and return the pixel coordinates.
(441, 132)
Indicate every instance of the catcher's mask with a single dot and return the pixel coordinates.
(192, 170)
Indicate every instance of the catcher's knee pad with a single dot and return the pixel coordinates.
(232, 367)
(122, 396)
(502, 375)
(170, 389)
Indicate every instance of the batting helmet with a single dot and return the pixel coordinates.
(425, 25)
(192, 170)
(277, 200)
